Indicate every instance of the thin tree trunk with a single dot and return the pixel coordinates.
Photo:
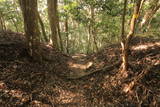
(60, 38)
(52, 16)
(15, 25)
(59, 34)
(89, 39)
(93, 28)
(2, 22)
(155, 6)
(67, 36)
(124, 53)
(126, 39)
(42, 27)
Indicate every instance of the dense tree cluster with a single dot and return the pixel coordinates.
(82, 26)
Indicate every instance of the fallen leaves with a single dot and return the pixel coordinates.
(27, 83)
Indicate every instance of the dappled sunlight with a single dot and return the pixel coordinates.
(66, 96)
(80, 66)
(37, 103)
(13, 93)
(16, 93)
(79, 55)
(145, 46)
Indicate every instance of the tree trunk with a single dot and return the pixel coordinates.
(67, 36)
(2, 23)
(29, 10)
(58, 28)
(15, 25)
(126, 39)
(42, 27)
(89, 39)
(93, 28)
(59, 33)
(52, 16)
(124, 53)
(155, 6)
(60, 37)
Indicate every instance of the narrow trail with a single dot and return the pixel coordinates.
(83, 65)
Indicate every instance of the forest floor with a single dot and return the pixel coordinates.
(51, 83)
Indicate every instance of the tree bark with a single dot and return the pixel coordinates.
(52, 16)
(93, 28)
(89, 39)
(124, 53)
(29, 10)
(126, 39)
(42, 27)
(60, 37)
(67, 36)
(2, 23)
(58, 28)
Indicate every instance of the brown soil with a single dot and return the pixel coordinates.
(26, 83)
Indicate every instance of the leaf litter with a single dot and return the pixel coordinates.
(26, 83)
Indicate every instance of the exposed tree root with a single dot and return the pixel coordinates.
(137, 78)
(81, 74)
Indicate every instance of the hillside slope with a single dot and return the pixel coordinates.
(46, 84)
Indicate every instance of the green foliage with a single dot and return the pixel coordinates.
(11, 13)
(106, 22)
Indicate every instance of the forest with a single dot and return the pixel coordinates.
(79, 53)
